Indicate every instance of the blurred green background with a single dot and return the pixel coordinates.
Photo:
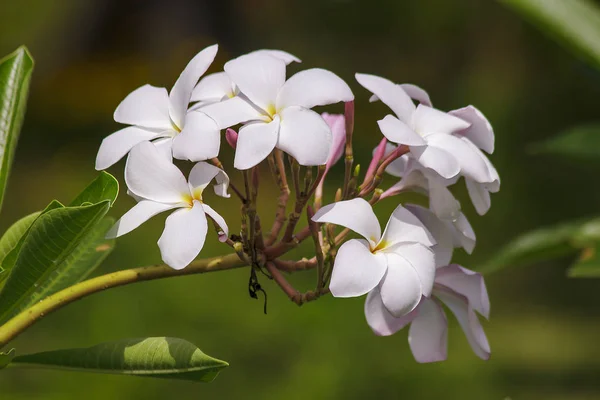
(91, 53)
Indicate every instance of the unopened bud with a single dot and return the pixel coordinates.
(231, 136)
(338, 195)
(357, 170)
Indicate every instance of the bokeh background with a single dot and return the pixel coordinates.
(544, 328)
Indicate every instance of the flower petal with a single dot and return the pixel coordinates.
(259, 76)
(232, 111)
(284, 56)
(437, 159)
(416, 93)
(441, 200)
(356, 214)
(427, 120)
(255, 143)
(467, 283)
(137, 215)
(165, 147)
(404, 227)
(428, 334)
(470, 159)
(220, 221)
(337, 124)
(200, 139)
(379, 318)
(401, 286)
(179, 98)
(150, 175)
(356, 271)
(480, 132)
(313, 87)
(468, 321)
(480, 196)
(115, 146)
(464, 235)
(391, 94)
(422, 260)
(305, 136)
(441, 232)
(183, 237)
(203, 173)
(147, 106)
(398, 132)
(213, 88)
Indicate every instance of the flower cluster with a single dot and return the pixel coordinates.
(406, 271)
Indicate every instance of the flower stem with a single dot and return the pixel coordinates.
(15, 326)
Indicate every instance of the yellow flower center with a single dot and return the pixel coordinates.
(195, 195)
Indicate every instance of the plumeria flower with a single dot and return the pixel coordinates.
(154, 114)
(461, 290)
(426, 131)
(337, 124)
(399, 264)
(158, 186)
(217, 87)
(277, 112)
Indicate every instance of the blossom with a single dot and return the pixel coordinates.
(426, 131)
(399, 264)
(463, 291)
(337, 124)
(217, 87)
(277, 112)
(158, 186)
(154, 114)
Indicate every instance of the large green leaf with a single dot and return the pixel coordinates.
(158, 357)
(13, 234)
(573, 23)
(15, 74)
(104, 187)
(546, 243)
(581, 142)
(51, 239)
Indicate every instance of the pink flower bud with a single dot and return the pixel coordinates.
(232, 137)
(336, 123)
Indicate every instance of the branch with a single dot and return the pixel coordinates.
(278, 169)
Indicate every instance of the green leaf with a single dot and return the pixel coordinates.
(588, 265)
(104, 187)
(15, 74)
(158, 357)
(573, 23)
(546, 243)
(51, 239)
(14, 233)
(6, 358)
(581, 142)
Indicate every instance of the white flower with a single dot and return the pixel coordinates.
(277, 112)
(461, 290)
(155, 114)
(399, 263)
(158, 185)
(217, 87)
(426, 131)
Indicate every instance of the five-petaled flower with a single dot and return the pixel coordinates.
(399, 263)
(158, 185)
(163, 117)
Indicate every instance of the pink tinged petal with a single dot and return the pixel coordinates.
(422, 260)
(231, 136)
(232, 112)
(390, 94)
(399, 167)
(137, 215)
(441, 200)
(199, 140)
(470, 159)
(464, 234)
(379, 318)
(441, 232)
(337, 124)
(203, 173)
(467, 283)
(378, 154)
(402, 227)
(398, 132)
(147, 106)
(313, 87)
(480, 196)
(255, 143)
(416, 93)
(415, 181)
(400, 287)
(428, 120)
(428, 334)
(480, 132)
(356, 214)
(304, 135)
(284, 56)
(436, 159)
(220, 221)
(150, 175)
(213, 88)
(182, 90)
(468, 321)
(183, 237)
(356, 271)
(115, 146)
(259, 76)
